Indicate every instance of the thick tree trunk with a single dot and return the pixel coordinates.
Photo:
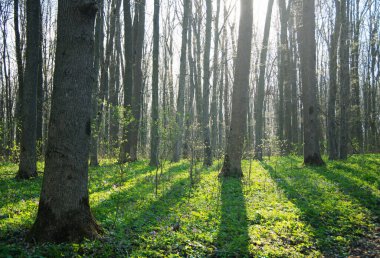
(181, 87)
(260, 94)
(27, 166)
(232, 159)
(206, 87)
(154, 136)
(311, 151)
(331, 118)
(64, 213)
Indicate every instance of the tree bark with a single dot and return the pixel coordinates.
(260, 94)
(181, 87)
(64, 213)
(311, 151)
(344, 74)
(20, 71)
(138, 44)
(154, 137)
(214, 102)
(125, 145)
(206, 87)
(27, 166)
(331, 118)
(232, 159)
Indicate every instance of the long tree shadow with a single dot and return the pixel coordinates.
(363, 173)
(140, 216)
(358, 187)
(333, 217)
(232, 239)
(104, 178)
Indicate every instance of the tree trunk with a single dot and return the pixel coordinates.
(311, 151)
(64, 213)
(138, 44)
(27, 166)
(94, 102)
(355, 114)
(232, 159)
(206, 87)
(181, 87)
(331, 118)
(214, 102)
(344, 75)
(260, 94)
(154, 137)
(285, 130)
(20, 71)
(128, 82)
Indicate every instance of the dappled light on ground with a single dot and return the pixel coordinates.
(282, 209)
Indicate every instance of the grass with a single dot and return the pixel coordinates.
(283, 210)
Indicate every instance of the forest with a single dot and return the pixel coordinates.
(189, 128)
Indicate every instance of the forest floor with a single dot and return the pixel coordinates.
(279, 209)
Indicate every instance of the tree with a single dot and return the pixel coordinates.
(128, 82)
(181, 87)
(214, 102)
(331, 118)
(206, 87)
(307, 43)
(28, 157)
(64, 213)
(232, 159)
(344, 76)
(154, 138)
(20, 70)
(261, 86)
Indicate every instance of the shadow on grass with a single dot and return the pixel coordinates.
(233, 238)
(13, 191)
(358, 187)
(144, 186)
(105, 177)
(136, 215)
(330, 213)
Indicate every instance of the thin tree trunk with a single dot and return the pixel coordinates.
(331, 118)
(181, 87)
(154, 137)
(344, 75)
(95, 91)
(206, 87)
(20, 71)
(260, 94)
(128, 82)
(27, 166)
(214, 102)
(138, 37)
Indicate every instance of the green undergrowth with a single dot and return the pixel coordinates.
(279, 209)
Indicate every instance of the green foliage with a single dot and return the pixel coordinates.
(282, 210)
